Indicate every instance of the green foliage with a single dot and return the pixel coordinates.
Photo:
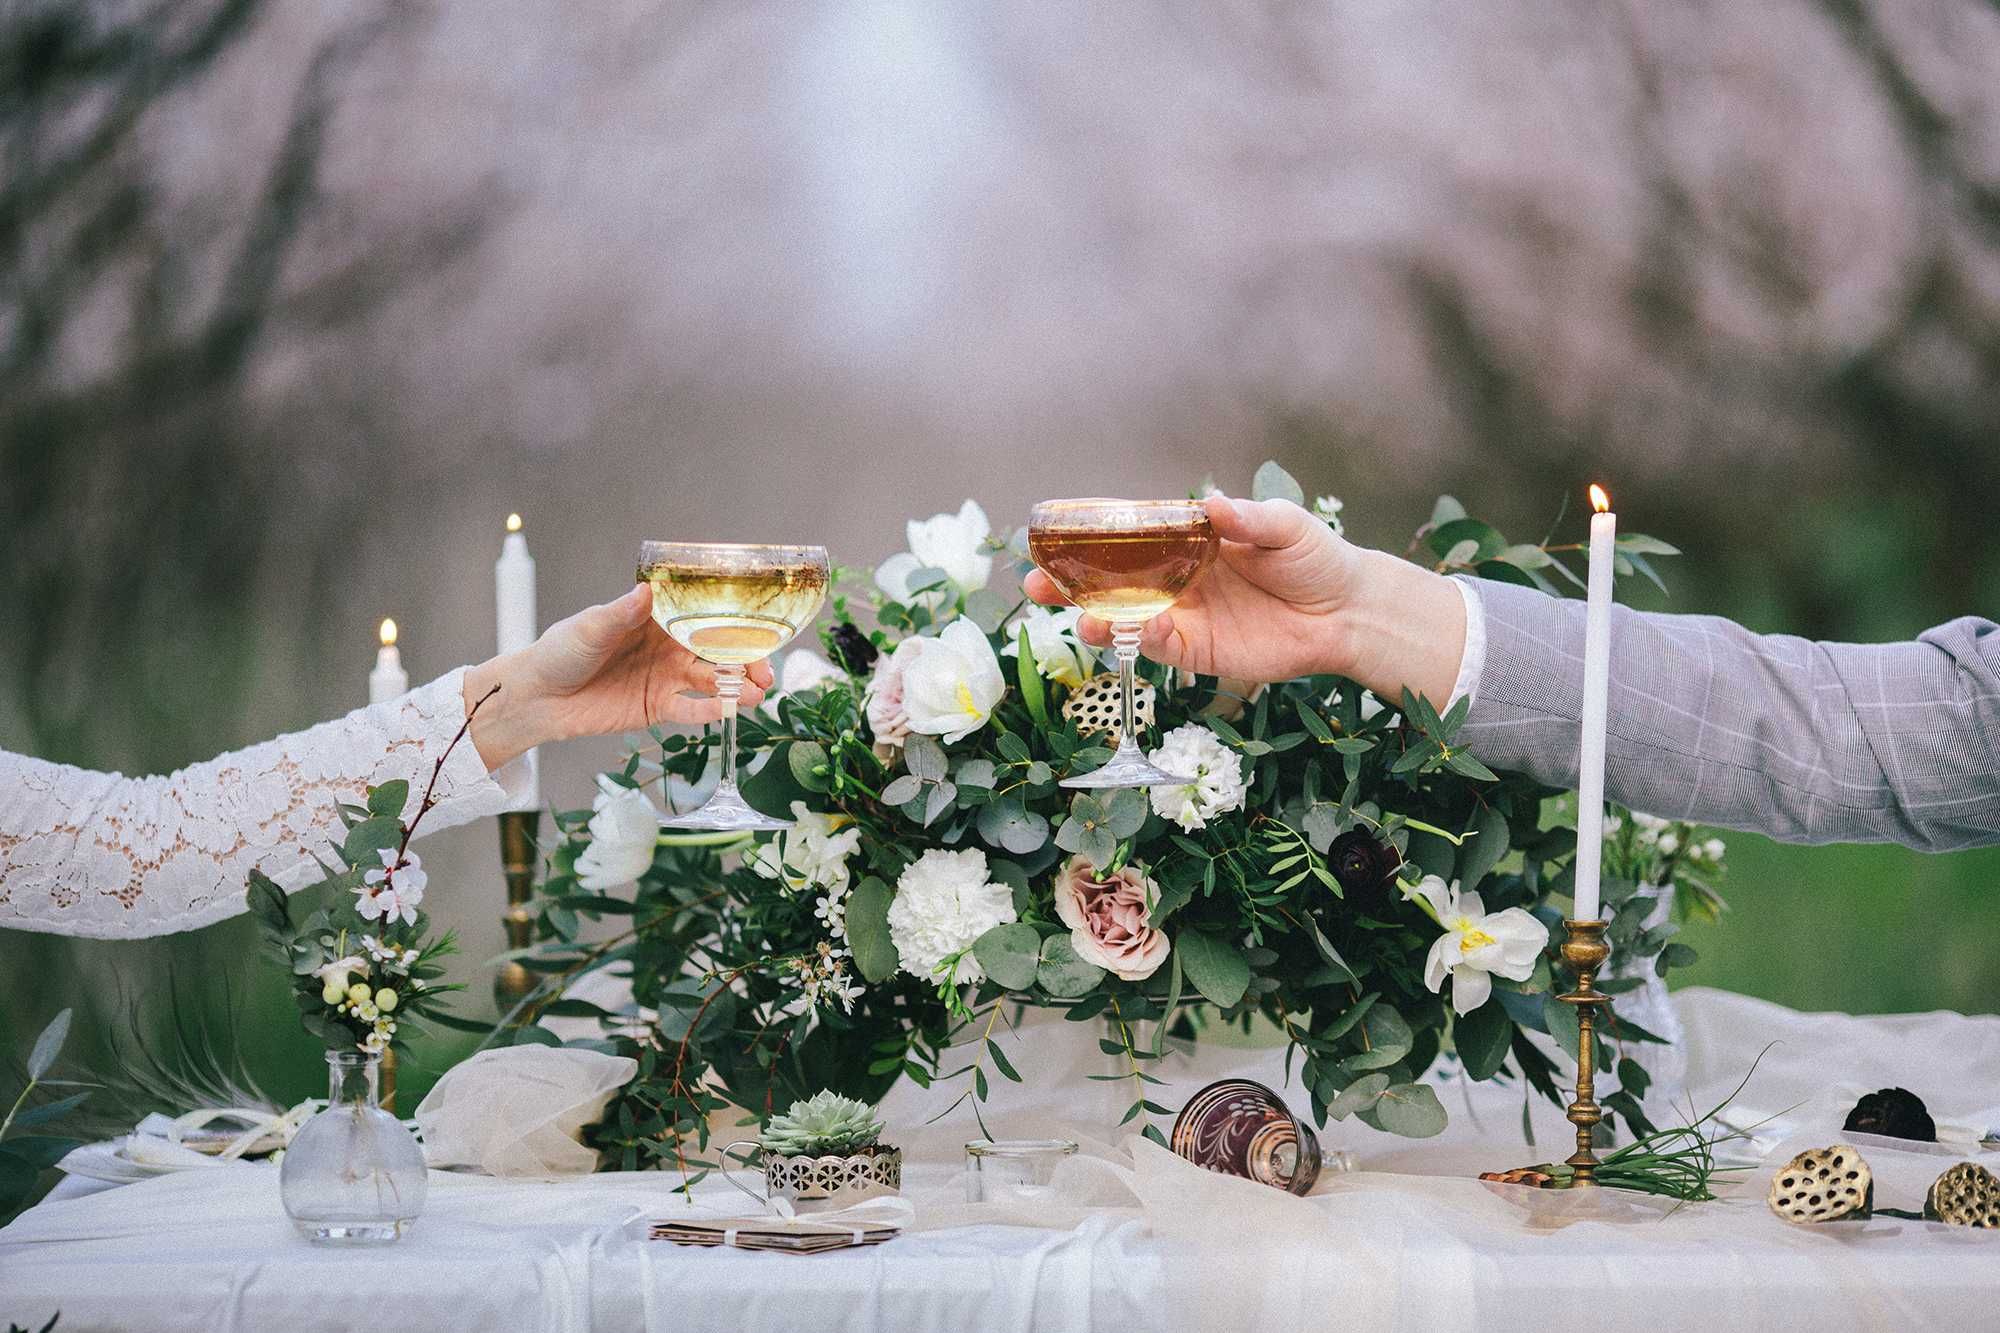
(23, 1157)
(763, 999)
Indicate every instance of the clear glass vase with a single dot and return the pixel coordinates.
(353, 1174)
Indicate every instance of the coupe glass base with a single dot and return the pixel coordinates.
(1128, 768)
(727, 812)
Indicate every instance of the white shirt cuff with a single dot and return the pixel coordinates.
(1473, 661)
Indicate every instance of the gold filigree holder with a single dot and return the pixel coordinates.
(519, 830)
(1585, 951)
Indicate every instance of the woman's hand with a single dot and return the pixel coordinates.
(605, 669)
(1287, 596)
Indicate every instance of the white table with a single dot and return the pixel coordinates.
(1138, 1238)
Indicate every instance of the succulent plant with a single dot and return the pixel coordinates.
(823, 1125)
(1894, 1112)
(1967, 1195)
(1824, 1185)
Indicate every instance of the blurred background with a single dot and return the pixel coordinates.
(298, 302)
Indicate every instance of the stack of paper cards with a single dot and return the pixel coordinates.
(793, 1235)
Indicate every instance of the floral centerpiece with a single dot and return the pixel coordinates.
(1342, 868)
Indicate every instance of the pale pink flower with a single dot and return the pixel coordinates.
(1108, 921)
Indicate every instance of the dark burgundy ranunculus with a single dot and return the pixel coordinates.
(852, 650)
(1894, 1112)
(1361, 862)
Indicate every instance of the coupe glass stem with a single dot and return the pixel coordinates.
(1125, 636)
(728, 686)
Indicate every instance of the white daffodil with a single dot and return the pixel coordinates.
(952, 685)
(1059, 653)
(1217, 770)
(624, 830)
(944, 901)
(1476, 943)
(1327, 509)
(954, 543)
(812, 853)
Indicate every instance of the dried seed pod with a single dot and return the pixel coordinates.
(1093, 705)
(1823, 1185)
(1895, 1112)
(1521, 1175)
(1968, 1195)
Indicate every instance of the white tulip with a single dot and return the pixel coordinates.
(1476, 943)
(1059, 653)
(954, 543)
(951, 687)
(812, 853)
(623, 832)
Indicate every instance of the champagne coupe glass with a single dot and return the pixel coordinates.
(1123, 561)
(732, 605)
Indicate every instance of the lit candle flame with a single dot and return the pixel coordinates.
(1599, 501)
(513, 522)
(388, 633)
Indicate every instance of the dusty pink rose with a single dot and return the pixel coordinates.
(887, 718)
(1107, 919)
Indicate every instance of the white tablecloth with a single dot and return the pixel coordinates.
(1137, 1238)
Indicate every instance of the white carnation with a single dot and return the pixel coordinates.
(944, 902)
(623, 832)
(1218, 785)
(812, 853)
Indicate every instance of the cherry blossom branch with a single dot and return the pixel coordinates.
(430, 788)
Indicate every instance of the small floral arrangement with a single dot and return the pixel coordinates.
(1341, 866)
(364, 964)
(823, 1125)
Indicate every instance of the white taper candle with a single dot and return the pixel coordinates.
(514, 617)
(388, 680)
(1596, 704)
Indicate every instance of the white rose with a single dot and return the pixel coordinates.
(952, 683)
(1059, 653)
(1217, 770)
(623, 832)
(954, 543)
(944, 902)
(882, 700)
(812, 853)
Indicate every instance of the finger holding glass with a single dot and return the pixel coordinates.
(732, 605)
(1124, 562)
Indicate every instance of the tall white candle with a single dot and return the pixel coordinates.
(514, 616)
(1596, 701)
(388, 680)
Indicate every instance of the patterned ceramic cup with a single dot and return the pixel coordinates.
(1244, 1129)
(817, 1184)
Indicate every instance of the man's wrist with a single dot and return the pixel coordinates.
(1403, 626)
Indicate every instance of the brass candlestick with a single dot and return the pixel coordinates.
(1585, 952)
(519, 830)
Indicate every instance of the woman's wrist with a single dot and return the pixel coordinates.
(511, 721)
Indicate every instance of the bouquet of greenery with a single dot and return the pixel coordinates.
(1341, 868)
(364, 966)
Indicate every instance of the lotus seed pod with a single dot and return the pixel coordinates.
(1093, 705)
(1823, 1185)
(1968, 1195)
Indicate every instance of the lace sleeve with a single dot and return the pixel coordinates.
(112, 857)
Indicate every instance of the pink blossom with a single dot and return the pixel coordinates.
(1108, 921)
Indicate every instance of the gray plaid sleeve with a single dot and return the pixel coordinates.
(1808, 742)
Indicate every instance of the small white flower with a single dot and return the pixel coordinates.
(624, 830)
(1059, 653)
(1371, 707)
(375, 1042)
(1612, 823)
(1714, 849)
(1218, 785)
(812, 853)
(1327, 509)
(951, 685)
(954, 543)
(1669, 844)
(1476, 943)
(393, 892)
(831, 909)
(944, 901)
(1650, 826)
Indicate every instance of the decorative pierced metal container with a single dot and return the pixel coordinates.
(813, 1183)
(1244, 1129)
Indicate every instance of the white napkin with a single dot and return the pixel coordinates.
(520, 1110)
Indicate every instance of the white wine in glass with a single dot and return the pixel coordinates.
(1124, 562)
(732, 605)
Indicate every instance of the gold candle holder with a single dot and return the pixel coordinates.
(1585, 951)
(519, 830)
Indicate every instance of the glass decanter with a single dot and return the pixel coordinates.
(353, 1174)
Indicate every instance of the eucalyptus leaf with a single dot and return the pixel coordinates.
(1011, 826)
(1411, 1110)
(808, 762)
(49, 1045)
(1272, 482)
(1213, 966)
(986, 609)
(925, 757)
(875, 955)
(389, 798)
(1010, 954)
(1063, 974)
(903, 790)
(1483, 1038)
(379, 833)
(1359, 1095)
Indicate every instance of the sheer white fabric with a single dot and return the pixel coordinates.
(112, 857)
